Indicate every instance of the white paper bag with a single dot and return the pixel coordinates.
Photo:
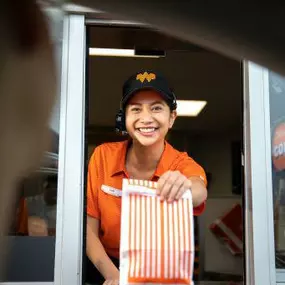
(157, 237)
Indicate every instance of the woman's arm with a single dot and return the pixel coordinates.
(199, 191)
(97, 253)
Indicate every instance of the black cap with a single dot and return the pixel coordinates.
(148, 79)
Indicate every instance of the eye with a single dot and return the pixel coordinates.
(157, 108)
(135, 109)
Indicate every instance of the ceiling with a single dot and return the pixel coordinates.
(193, 72)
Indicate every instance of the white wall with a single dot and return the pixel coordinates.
(214, 154)
(217, 257)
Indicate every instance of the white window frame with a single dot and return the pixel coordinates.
(69, 239)
(259, 230)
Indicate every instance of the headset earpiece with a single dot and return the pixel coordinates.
(174, 102)
(120, 122)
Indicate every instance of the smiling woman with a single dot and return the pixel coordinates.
(148, 111)
(148, 118)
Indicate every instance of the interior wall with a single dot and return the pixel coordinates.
(217, 256)
(214, 154)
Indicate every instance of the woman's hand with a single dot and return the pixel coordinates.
(111, 282)
(172, 185)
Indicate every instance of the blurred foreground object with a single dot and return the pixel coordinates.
(237, 29)
(27, 90)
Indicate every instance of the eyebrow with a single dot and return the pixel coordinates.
(153, 103)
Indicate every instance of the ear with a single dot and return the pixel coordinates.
(173, 116)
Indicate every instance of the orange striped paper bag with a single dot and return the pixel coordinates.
(157, 240)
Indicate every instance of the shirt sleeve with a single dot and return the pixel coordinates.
(189, 167)
(92, 185)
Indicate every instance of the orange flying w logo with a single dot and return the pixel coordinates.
(146, 76)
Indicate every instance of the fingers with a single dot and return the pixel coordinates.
(178, 188)
(167, 183)
(172, 185)
(162, 182)
(186, 185)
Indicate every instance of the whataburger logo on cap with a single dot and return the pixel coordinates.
(146, 76)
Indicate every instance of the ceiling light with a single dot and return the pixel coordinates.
(189, 108)
(124, 53)
(111, 52)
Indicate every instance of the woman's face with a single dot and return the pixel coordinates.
(148, 117)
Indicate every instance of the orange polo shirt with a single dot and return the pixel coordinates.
(22, 217)
(105, 174)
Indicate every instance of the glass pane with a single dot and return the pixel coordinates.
(277, 119)
(32, 232)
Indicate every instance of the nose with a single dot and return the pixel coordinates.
(146, 116)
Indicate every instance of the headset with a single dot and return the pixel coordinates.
(120, 125)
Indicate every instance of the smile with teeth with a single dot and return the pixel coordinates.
(147, 130)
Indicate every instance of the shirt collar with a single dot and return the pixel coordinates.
(167, 157)
(120, 158)
(165, 161)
